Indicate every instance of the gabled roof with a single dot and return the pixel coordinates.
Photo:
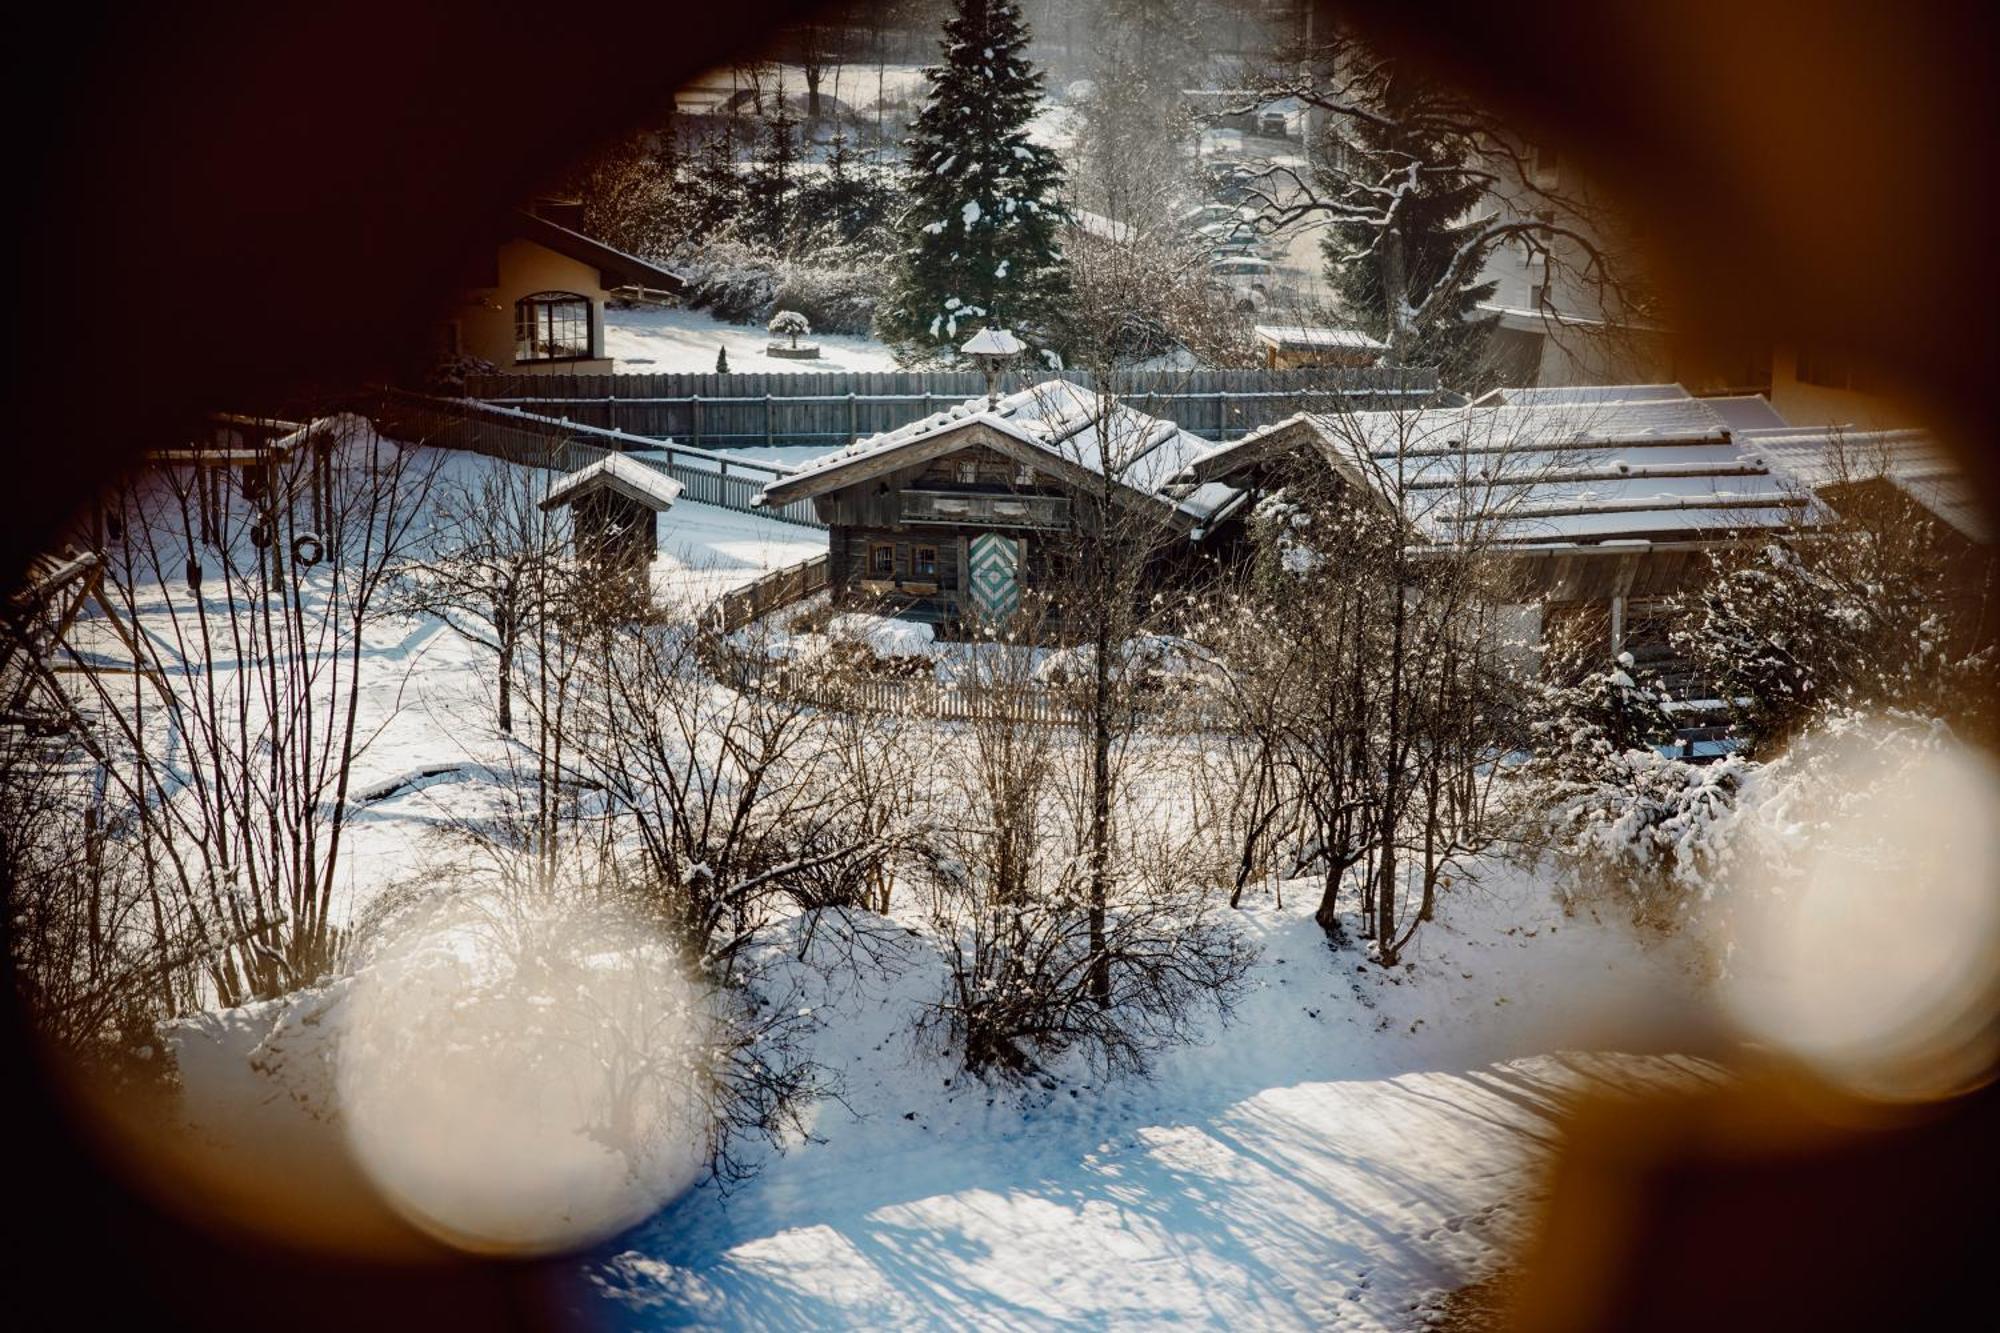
(628, 477)
(614, 266)
(1565, 468)
(1822, 459)
(1070, 430)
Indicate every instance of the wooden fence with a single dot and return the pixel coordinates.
(540, 440)
(828, 408)
(779, 588)
(931, 700)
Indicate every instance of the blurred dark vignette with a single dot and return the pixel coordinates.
(250, 202)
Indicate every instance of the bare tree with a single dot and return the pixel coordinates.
(234, 729)
(1419, 186)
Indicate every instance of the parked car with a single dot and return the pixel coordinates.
(1236, 231)
(1230, 182)
(1196, 219)
(1246, 278)
(1274, 124)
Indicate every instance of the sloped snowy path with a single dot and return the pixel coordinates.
(1330, 1159)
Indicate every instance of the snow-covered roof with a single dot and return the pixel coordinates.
(1563, 467)
(1302, 335)
(993, 342)
(1064, 421)
(1816, 457)
(637, 481)
(1554, 394)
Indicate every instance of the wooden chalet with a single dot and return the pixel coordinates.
(1603, 502)
(614, 505)
(958, 515)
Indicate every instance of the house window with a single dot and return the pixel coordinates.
(1025, 476)
(968, 471)
(881, 560)
(552, 326)
(924, 562)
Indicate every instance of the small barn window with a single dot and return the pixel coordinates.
(1025, 476)
(924, 561)
(552, 326)
(881, 560)
(968, 471)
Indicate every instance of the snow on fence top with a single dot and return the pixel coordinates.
(1632, 463)
(1067, 422)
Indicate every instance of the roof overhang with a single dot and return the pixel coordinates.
(973, 431)
(615, 268)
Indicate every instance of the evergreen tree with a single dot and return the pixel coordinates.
(769, 194)
(722, 360)
(714, 187)
(851, 198)
(979, 239)
(1405, 187)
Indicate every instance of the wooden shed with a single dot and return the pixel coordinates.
(614, 505)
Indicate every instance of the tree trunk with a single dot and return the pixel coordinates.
(1100, 807)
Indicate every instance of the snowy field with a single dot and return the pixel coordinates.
(645, 341)
(1349, 1148)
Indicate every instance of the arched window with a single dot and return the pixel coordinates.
(552, 326)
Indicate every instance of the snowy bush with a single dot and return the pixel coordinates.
(790, 324)
(735, 281)
(1620, 816)
(835, 291)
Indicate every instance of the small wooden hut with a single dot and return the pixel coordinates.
(614, 505)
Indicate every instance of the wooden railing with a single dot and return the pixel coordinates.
(537, 440)
(779, 588)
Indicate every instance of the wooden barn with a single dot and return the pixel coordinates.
(1603, 502)
(614, 505)
(955, 517)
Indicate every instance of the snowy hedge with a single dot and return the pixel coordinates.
(834, 292)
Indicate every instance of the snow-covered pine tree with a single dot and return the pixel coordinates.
(1405, 187)
(980, 236)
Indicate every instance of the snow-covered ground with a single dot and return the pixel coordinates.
(1350, 1146)
(643, 341)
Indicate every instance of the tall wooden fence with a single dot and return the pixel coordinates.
(540, 440)
(828, 408)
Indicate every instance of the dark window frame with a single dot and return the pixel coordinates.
(875, 552)
(536, 327)
(923, 568)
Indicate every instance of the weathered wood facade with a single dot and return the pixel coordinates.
(969, 516)
(902, 540)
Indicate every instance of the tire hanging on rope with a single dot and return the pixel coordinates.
(307, 549)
